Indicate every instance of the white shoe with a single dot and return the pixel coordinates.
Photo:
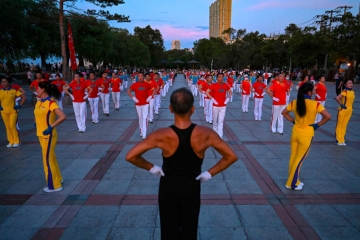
(340, 144)
(143, 137)
(298, 188)
(141, 134)
(344, 144)
(52, 190)
(16, 145)
(9, 145)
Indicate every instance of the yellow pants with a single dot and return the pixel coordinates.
(51, 168)
(342, 122)
(300, 147)
(10, 120)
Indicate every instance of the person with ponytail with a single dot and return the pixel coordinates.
(46, 110)
(9, 111)
(346, 99)
(305, 111)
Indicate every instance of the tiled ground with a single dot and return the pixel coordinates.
(105, 197)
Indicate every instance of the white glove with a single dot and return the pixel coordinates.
(17, 99)
(36, 93)
(204, 176)
(110, 89)
(99, 88)
(257, 94)
(157, 171)
(148, 99)
(297, 87)
(263, 94)
(215, 102)
(72, 97)
(244, 91)
(227, 100)
(317, 95)
(276, 99)
(99, 93)
(86, 96)
(135, 99)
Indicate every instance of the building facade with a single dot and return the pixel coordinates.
(175, 44)
(220, 18)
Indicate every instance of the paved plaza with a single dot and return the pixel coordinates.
(105, 197)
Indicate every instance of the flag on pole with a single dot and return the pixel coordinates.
(71, 48)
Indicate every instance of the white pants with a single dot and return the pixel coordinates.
(157, 103)
(60, 101)
(167, 85)
(201, 99)
(238, 87)
(142, 112)
(171, 81)
(258, 108)
(277, 117)
(151, 109)
(245, 102)
(318, 116)
(232, 92)
(80, 114)
(163, 91)
(105, 102)
(194, 89)
(287, 99)
(208, 110)
(265, 81)
(94, 108)
(125, 83)
(218, 119)
(116, 99)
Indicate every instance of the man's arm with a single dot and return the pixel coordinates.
(129, 93)
(269, 92)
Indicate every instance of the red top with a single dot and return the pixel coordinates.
(259, 89)
(115, 84)
(246, 86)
(266, 76)
(94, 86)
(288, 83)
(142, 90)
(159, 83)
(13, 86)
(218, 92)
(59, 84)
(321, 91)
(230, 81)
(279, 91)
(78, 91)
(104, 84)
(153, 85)
(301, 83)
(46, 76)
(205, 87)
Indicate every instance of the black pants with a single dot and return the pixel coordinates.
(179, 206)
(338, 90)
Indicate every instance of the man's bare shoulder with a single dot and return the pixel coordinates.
(161, 132)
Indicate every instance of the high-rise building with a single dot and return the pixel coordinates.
(175, 44)
(220, 18)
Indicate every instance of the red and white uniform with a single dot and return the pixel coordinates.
(142, 92)
(231, 82)
(279, 90)
(321, 94)
(288, 83)
(79, 104)
(246, 90)
(94, 99)
(207, 102)
(201, 93)
(104, 95)
(154, 85)
(259, 89)
(218, 91)
(60, 85)
(115, 85)
(159, 83)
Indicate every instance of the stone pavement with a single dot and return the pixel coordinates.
(105, 197)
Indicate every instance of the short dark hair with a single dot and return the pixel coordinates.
(181, 101)
(220, 74)
(7, 78)
(141, 73)
(146, 74)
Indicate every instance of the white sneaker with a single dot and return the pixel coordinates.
(143, 137)
(52, 190)
(16, 145)
(141, 134)
(298, 188)
(343, 144)
(9, 145)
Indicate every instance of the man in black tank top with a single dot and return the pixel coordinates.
(183, 148)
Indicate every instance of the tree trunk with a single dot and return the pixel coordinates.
(81, 61)
(43, 61)
(62, 38)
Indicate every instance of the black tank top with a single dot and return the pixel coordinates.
(184, 162)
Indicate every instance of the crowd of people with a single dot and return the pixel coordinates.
(214, 91)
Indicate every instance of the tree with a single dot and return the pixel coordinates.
(101, 14)
(153, 40)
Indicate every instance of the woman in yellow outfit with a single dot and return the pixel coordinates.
(46, 110)
(346, 99)
(9, 110)
(305, 111)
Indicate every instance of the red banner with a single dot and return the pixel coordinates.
(71, 48)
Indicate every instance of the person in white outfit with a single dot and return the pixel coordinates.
(278, 91)
(79, 100)
(141, 98)
(217, 92)
(259, 89)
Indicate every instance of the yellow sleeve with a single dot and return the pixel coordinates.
(319, 108)
(18, 93)
(290, 106)
(343, 93)
(53, 106)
